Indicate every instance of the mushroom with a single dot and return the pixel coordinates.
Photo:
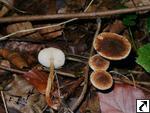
(48, 55)
(96, 63)
(112, 46)
(101, 80)
(53, 58)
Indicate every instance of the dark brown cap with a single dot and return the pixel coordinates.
(112, 46)
(101, 80)
(96, 63)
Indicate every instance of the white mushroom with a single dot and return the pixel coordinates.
(48, 55)
(53, 58)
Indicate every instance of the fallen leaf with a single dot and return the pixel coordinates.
(36, 6)
(2, 109)
(21, 96)
(38, 79)
(122, 99)
(23, 26)
(14, 57)
(51, 32)
(91, 104)
(116, 27)
(24, 47)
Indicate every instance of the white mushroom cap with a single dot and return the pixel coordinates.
(48, 55)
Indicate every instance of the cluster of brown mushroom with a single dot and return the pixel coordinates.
(109, 46)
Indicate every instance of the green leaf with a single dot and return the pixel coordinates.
(129, 19)
(143, 58)
(148, 24)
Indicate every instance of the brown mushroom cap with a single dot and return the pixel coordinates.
(112, 46)
(101, 80)
(96, 63)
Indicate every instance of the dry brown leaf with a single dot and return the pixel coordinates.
(91, 104)
(116, 27)
(24, 47)
(23, 26)
(54, 100)
(38, 79)
(14, 57)
(2, 109)
(51, 32)
(36, 6)
(70, 89)
(22, 96)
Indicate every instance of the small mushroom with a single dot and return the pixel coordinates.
(101, 80)
(96, 63)
(47, 55)
(53, 58)
(112, 46)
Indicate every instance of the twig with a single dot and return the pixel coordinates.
(12, 70)
(3, 98)
(131, 83)
(75, 59)
(84, 90)
(134, 83)
(76, 15)
(75, 55)
(23, 72)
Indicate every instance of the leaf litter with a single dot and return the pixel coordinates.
(24, 91)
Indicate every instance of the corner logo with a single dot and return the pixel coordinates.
(143, 106)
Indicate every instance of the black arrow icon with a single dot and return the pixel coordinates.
(144, 103)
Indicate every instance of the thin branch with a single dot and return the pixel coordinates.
(84, 90)
(23, 72)
(76, 15)
(3, 98)
(12, 70)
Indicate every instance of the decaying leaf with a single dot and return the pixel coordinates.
(23, 26)
(14, 57)
(38, 79)
(54, 100)
(2, 109)
(36, 6)
(23, 97)
(70, 89)
(137, 3)
(91, 104)
(122, 99)
(116, 27)
(30, 48)
(51, 32)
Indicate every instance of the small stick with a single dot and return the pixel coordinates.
(3, 98)
(12, 70)
(75, 59)
(23, 72)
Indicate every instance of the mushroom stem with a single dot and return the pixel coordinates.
(49, 84)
